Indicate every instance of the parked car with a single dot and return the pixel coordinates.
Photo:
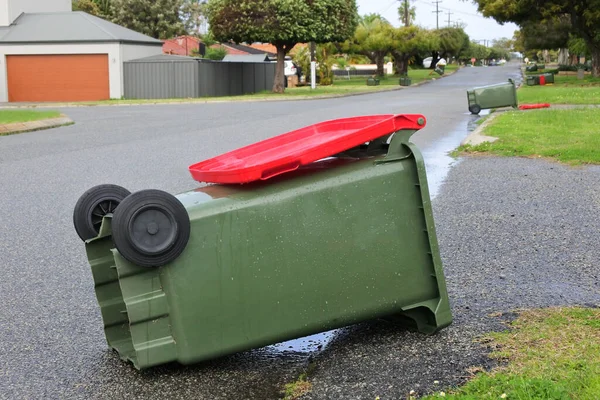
(290, 68)
(427, 62)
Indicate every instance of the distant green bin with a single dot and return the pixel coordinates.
(405, 81)
(492, 96)
(533, 80)
(333, 242)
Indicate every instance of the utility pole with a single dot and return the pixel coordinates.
(437, 12)
(449, 13)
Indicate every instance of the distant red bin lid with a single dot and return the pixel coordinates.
(289, 151)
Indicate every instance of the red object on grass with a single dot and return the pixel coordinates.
(532, 106)
(542, 80)
(287, 152)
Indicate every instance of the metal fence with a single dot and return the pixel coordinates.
(354, 72)
(163, 77)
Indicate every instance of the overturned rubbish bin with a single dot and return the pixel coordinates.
(309, 231)
(492, 96)
(540, 79)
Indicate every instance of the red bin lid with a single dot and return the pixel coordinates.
(289, 151)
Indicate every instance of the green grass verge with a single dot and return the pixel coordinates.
(548, 354)
(567, 89)
(14, 116)
(297, 389)
(416, 75)
(570, 136)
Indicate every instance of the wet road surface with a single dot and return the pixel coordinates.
(51, 339)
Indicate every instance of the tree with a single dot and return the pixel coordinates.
(192, 13)
(283, 23)
(407, 13)
(583, 15)
(374, 39)
(88, 6)
(476, 51)
(157, 18)
(99, 8)
(452, 42)
(408, 42)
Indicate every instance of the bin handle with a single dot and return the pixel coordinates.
(280, 169)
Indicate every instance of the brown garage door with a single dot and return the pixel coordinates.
(75, 77)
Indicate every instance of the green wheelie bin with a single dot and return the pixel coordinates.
(312, 230)
(492, 96)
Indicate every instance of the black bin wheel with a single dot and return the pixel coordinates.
(151, 228)
(475, 109)
(93, 205)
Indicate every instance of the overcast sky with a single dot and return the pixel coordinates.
(478, 27)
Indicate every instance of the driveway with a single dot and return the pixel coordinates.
(51, 339)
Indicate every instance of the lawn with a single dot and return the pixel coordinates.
(569, 136)
(567, 89)
(416, 75)
(13, 116)
(547, 354)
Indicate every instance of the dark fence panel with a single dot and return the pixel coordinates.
(161, 79)
(355, 72)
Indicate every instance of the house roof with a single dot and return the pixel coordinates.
(165, 58)
(69, 27)
(246, 57)
(247, 49)
(181, 45)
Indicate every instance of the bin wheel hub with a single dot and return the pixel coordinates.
(152, 230)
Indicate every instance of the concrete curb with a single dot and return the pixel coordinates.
(476, 137)
(159, 102)
(21, 127)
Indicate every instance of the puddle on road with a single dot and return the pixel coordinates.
(437, 158)
(308, 344)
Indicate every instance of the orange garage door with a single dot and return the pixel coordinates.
(72, 77)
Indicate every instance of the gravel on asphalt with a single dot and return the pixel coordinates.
(514, 233)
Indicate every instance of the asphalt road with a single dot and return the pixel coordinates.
(51, 339)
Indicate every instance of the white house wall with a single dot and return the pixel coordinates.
(115, 63)
(135, 51)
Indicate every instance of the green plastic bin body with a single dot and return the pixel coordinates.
(492, 96)
(372, 82)
(405, 81)
(549, 77)
(335, 243)
(533, 80)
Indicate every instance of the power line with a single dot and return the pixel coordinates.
(455, 10)
(437, 13)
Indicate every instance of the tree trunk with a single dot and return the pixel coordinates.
(401, 63)
(278, 82)
(596, 61)
(379, 61)
(563, 56)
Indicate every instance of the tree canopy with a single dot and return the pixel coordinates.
(373, 38)
(157, 18)
(582, 15)
(409, 41)
(283, 23)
